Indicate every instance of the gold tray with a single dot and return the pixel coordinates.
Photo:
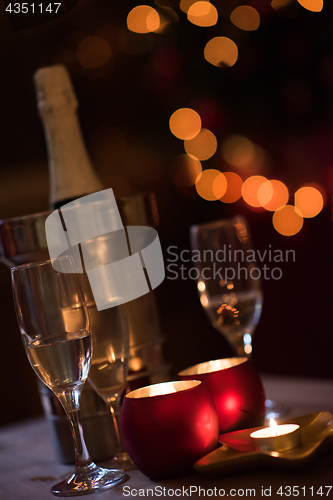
(237, 453)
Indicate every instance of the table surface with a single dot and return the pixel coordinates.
(29, 468)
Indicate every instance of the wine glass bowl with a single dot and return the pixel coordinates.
(228, 281)
(54, 323)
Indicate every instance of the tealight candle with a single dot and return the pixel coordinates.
(277, 437)
(167, 427)
(236, 389)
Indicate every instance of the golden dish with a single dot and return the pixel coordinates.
(237, 453)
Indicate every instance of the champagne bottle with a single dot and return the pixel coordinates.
(72, 176)
(70, 169)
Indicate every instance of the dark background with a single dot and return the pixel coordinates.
(279, 94)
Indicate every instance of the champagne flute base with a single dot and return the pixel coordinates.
(123, 460)
(86, 480)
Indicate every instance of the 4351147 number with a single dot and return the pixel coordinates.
(32, 8)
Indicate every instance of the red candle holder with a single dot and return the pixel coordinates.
(167, 427)
(236, 389)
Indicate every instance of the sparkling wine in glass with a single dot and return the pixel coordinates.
(54, 324)
(228, 280)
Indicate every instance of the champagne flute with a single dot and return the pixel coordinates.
(229, 285)
(228, 281)
(109, 367)
(54, 324)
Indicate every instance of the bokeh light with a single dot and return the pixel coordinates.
(281, 5)
(202, 14)
(143, 19)
(309, 201)
(273, 195)
(287, 220)
(248, 348)
(234, 187)
(245, 17)
(221, 51)
(320, 189)
(286, 8)
(111, 34)
(168, 20)
(313, 5)
(220, 185)
(205, 182)
(202, 146)
(93, 52)
(241, 153)
(186, 4)
(185, 123)
(250, 189)
(204, 300)
(185, 170)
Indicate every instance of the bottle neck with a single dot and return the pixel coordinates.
(70, 169)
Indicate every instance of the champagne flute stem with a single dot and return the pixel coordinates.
(70, 400)
(115, 413)
(237, 344)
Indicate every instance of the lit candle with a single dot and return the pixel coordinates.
(277, 437)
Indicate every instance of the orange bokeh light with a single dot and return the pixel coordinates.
(250, 189)
(202, 14)
(242, 153)
(320, 189)
(287, 220)
(273, 195)
(168, 19)
(245, 17)
(221, 51)
(313, 5)
(143, 19)
(211, 184)
(186, 4)
(281, 5)
(185, 123)
(93, 52)
(234, 188)
(309, 201)
(185, 170)
(202, 146)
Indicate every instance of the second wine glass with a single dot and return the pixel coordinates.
(228, 281)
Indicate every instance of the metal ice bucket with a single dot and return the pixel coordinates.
(23, 240)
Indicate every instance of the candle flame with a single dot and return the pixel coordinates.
(274, 427)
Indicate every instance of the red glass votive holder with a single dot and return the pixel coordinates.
(236, 389)
(167, 427)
